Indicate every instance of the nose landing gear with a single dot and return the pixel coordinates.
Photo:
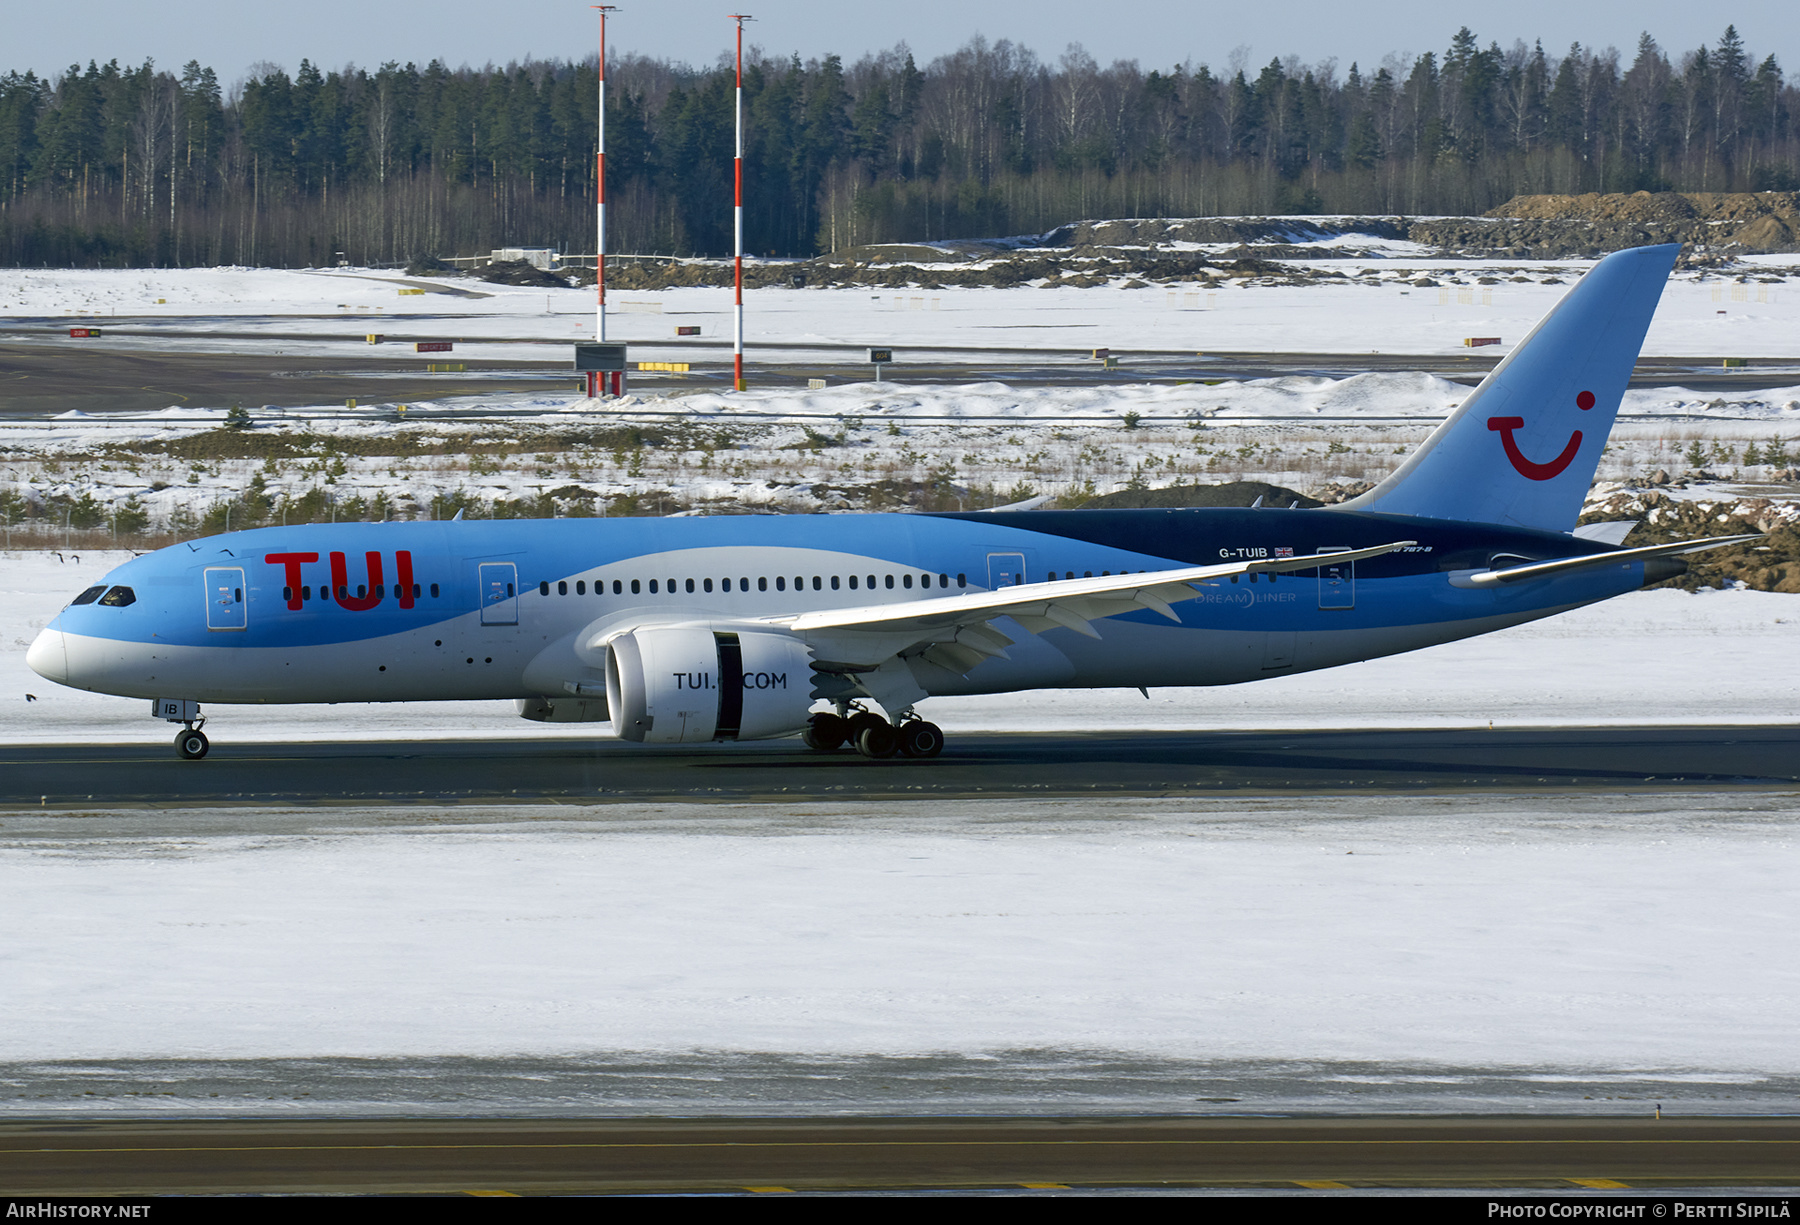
(190, 742)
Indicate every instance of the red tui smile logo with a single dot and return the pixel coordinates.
(1504, 426)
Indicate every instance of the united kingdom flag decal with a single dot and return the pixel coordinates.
(1284, 552)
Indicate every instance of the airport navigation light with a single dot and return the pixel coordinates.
(600, 189)
(737, 319)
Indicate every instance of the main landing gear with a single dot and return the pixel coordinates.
(873, 736)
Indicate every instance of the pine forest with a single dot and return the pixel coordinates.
(119, 166)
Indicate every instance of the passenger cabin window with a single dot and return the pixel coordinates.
(544, 588)
(434, 591)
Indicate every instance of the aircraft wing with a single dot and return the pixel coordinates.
(955, 626)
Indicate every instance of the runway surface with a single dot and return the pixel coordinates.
(993, 765)
(773, 1156)
(41, 375)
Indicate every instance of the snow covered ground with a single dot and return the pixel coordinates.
(1373, 309)
(1573, 954)
(1297, 431)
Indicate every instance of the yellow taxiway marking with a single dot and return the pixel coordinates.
(1045, 1186)
(494, 1194)
(1321, 1184)
(1599, 1184)
(666, 1144)
(772, 1190)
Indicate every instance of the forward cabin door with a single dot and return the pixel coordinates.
(225, 608)
(498, 582)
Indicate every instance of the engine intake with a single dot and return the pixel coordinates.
(689, 684)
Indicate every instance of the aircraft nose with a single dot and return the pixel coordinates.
(49, 656)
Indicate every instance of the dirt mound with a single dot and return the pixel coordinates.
(1554, 226)
(429, 265)
(1768, 563)
(1768, 234)
(518, 272)
(1639, 208)
(1152, 231)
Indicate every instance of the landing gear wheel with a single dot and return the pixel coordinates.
(921, 739)
(878, 739)
(191, 744)
(825, 732)
(860, 722)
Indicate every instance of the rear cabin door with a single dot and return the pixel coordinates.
(499, 585)
(225, 608)
(1337, 584)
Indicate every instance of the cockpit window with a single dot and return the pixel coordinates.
(119, 597)
(88, 596)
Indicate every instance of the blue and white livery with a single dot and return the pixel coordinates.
(698, 630)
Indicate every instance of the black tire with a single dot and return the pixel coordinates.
(860, 721)
(878, 740)
(921, 739)
(191, 744)
(825, 732)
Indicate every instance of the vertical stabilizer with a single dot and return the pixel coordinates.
(1522, 449)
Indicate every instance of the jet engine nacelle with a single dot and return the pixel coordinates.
(687, 684)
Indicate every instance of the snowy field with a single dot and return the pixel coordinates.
(1652, 657)
(1372, 308)
(787, 449)
(1570, 955)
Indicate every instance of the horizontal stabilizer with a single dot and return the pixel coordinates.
(1568, 565)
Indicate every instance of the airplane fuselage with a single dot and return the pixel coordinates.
(518, 608)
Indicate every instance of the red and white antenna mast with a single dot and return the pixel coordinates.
(737, 322)
(600, 186)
